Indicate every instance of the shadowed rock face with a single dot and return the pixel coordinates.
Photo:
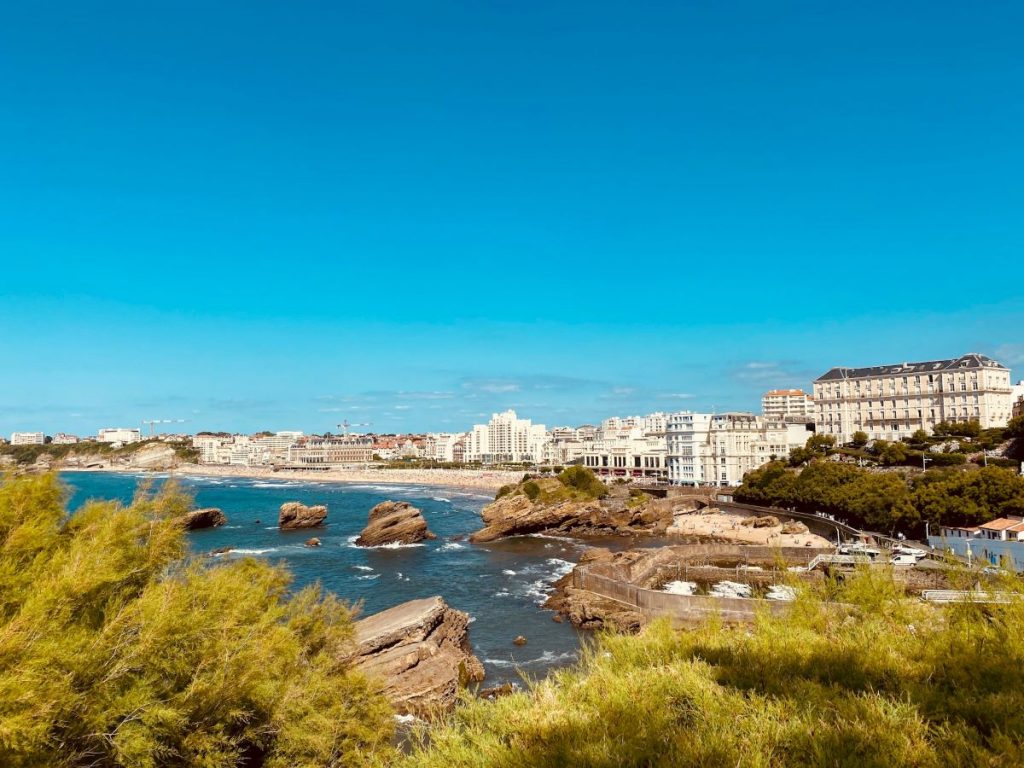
(295, 515)
(210, 517)
(419, 651)
(394, 522)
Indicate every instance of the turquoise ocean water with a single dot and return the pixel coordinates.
(500, 585)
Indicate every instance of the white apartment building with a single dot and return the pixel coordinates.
(634, 446)
(892, 401)
(62, 438)
(786, 402)
(119, 435)
(27, 438)
(506, 437)
(719, 449)
(1017, 400)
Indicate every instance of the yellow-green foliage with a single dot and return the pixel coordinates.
(117, 651)
(887, 682)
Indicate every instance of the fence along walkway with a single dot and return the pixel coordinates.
(681, 609)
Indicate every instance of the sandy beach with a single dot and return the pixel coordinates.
(477, 479)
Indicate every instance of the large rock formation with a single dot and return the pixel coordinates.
(420, 652)
(620, 513)
(209, 517)
(394, 522)
(295, 515)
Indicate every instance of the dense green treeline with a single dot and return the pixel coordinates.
(889, 500)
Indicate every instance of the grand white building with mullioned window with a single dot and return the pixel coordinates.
(892, 401)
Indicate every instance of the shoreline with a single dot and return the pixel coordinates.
(473, 479)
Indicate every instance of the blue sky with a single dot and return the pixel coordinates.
(281, 215)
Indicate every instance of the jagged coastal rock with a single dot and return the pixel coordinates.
(394, 522)
(516, 513)
(294, 516)
(420, 652)
(209, 517)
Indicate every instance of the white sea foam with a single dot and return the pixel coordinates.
(362, 567)
(252, 551)
(369, 577)
(547, 657)
(441, 498)
(273, 485)
(508, 572)
(391, 545)
(450, 545)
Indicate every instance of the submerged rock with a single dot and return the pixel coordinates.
(419, 651)
(209, 517)
(394, 522)
(295, 515)
(314, 542)
(520, 640)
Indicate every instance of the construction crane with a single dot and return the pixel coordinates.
(152, 422)
(345, 425)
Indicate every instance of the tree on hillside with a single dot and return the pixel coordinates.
(117, 650)
(1015, 428)
(859, 439)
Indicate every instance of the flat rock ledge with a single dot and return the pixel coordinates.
(294, 516)
(394, 522)
(209, 517)
(419, 651)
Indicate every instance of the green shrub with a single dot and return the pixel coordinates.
(584, 482)
(531, 490)
(116, 650)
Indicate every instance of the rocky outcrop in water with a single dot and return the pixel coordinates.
(294, 516)
(394, 522)
(209, 517)
(516, 514)
(419, 651)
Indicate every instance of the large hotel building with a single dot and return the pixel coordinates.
(892, 401)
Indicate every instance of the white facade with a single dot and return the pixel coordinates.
(633, 446)
(507, 438)
(998, 542)
(892, 401)
(119, 435)
(443, 446)
(719, 449)
(64, 439)
(325, 452)
(27, 438)
(786, 402)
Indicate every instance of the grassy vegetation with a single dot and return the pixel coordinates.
(571, 484)
(888, 682)
(115, 650)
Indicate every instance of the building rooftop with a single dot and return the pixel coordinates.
(784, 392)
(1002, 524)
(970, 360)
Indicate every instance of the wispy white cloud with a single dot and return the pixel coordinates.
(1009, 354)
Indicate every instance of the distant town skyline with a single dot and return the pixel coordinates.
(282, 217)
